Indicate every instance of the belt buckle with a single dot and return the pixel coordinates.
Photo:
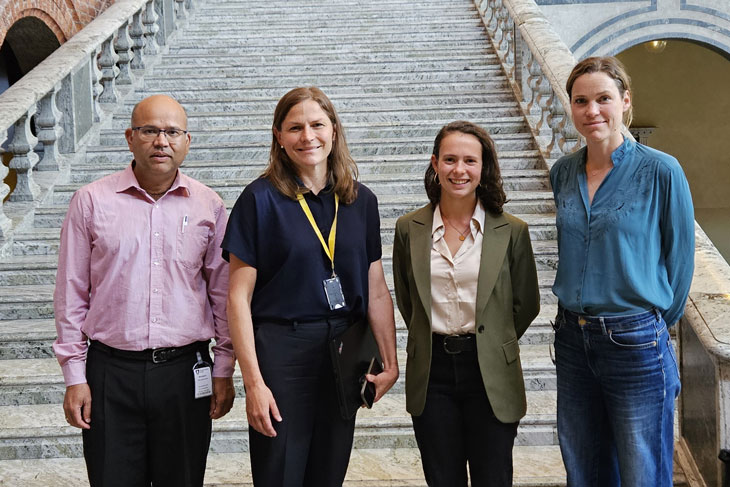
(446, 346)
(160, 355)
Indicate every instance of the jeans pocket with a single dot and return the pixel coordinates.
(638, 339)
(558, 323)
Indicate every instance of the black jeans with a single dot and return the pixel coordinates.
(313, 443)
(146, 426)
(458, 426)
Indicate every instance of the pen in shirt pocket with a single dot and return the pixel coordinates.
(184, 223)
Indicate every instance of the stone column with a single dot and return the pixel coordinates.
(123, 48)
(24, 159)
(109, 71)
(49, 130)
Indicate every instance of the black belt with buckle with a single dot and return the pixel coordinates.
(154, 355)
(455, 344)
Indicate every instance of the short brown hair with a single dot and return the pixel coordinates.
(610, 66)
(341, 168)
(490, 191)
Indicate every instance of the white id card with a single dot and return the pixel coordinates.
(203, 378)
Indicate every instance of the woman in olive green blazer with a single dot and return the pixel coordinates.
(507, 300)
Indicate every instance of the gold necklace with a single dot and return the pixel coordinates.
(462, 235)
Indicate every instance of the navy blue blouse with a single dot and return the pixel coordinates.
(269, 231)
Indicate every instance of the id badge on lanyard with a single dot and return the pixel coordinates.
(332, 286)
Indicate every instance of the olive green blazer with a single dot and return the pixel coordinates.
(508, 299)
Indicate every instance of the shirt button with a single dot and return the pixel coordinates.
(155, 290)
(154, 320)
(156, 205)
(157, 234)
(155, 263)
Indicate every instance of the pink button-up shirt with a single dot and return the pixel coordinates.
(135, 273)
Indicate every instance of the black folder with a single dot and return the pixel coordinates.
(351, 354)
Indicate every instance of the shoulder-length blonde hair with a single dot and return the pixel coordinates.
(341, 167)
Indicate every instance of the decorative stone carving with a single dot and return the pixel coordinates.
(136, 33)
(5, 223)
(47, 122)
(123, 47)
(150, 28)
(182, 12)
(24, 159)
(109, 72)
(96, 87)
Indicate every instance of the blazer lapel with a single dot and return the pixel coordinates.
(494, 249)
(420, 250)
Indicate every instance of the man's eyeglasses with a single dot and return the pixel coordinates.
(148, 134)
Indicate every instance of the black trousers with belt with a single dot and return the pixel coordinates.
(146, 426)
(458, 426)
(313, 443)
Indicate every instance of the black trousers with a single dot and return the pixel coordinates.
(458, 426)
(146, 427)
(313, 442)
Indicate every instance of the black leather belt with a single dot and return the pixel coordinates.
(154, 355)
(455, 344)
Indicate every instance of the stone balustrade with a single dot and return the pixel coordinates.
(538, 63)
(72, 91)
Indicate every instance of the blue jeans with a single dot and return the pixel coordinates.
(617, 382)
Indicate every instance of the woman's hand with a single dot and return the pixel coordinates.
(383, 381)
(260, 408)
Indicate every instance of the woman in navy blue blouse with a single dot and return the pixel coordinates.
(626, 246)
(305, 222)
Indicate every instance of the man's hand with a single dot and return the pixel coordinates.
(383, 381)
(222, 399)
(77, 406)
(260, 408)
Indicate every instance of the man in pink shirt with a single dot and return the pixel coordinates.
(140, 291)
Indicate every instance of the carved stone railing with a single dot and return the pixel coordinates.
(72, 91)
(538, 64)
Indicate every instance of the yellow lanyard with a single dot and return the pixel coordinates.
(330, 251)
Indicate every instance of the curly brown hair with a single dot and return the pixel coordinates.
(341, 168)
(490, 191)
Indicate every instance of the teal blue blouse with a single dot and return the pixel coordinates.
(632, 249)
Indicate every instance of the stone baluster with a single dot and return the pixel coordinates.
(557, 124)
(48, 123)
(24, 159)
(534, 78)
(150, 20)
(481, 6)
(545, 97)
(189, 5)
(508, 43)
(493, 21)
(136, 33)
(5, 222)
(109, 70)
(182, 12)
(571, 138)
(96, 88)
(123, 47)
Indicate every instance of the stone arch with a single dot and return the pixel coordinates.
(32, 40)
(701, 24)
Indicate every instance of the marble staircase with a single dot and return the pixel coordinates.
(397, 70)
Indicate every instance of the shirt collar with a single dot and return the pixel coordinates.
(475, 227)
(623, 151)
(127, 180)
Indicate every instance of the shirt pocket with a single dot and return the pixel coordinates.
(191, 244)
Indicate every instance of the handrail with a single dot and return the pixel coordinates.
(73, 90)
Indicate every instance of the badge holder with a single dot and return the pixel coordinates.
(203, 378)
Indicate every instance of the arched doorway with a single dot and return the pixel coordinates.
(28, 42)
(682, 92)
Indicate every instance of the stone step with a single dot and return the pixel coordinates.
(311, 19)
(246, 60)
(352, 118)
(259, 150)
(389, 205)
(40, 430)
(27, 381)
(534, 466)
(382, 184)
(326, 70)
(245, 85)
(28, 269)
(204, 132)
(371, 97)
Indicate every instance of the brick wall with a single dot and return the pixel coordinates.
(63, 17)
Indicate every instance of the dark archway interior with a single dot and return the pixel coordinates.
(28, 42)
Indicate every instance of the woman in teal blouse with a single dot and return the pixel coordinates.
(626, 246)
